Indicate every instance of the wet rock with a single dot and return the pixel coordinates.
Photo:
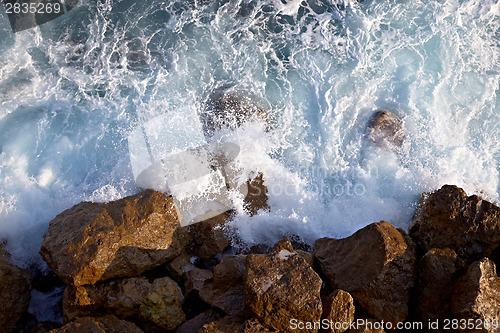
(225, 289)
(197, 322)
(230, 109)
(385, 129)
(195, 279)
(448, 218)
(281, 286)
(161, 310)
(94, 242)
(477, 295)
(105, 324)
(438, 271)
(14, 292)
(121, 298)
(376, 265)
(179, 266)
(208, 238)
(256, 198)
(338, 308)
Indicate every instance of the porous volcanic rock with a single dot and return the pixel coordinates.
(225, 289)
(386, 129)
(376, 265)
(14, 292)
(281, 286)
(477, 296)
(448, 218)
(438, 271)
(161, 310)
(338, 309)
(94, 242)
(105, 324)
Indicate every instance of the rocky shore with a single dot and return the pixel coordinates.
(128, 266)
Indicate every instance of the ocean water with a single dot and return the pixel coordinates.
(73, 89)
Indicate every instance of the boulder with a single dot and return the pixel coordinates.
(105, 324)
(448, 218)
(385, 129)
(229, 110)
(121, 298)
(179, 266)
(338, 308)
(161, 310)
(14, 292)
(225, 289)
(367, 325)
(195, 279)
(438, 271)
(477, 296)
(234, 324)
(282, 286)
(197, 322)
(376, 265)
(94, 242)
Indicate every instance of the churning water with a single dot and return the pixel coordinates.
(73, 89)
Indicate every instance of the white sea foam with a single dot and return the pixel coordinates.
(72, 91)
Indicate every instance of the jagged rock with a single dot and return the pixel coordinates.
(162, 308)
(179, 266)
(448, 218)
(225, 289)
(438, 272)
(195, 279)
(105, 324)
(281, 286)
(226, 109)
(367, 325)
(94, 242)
(197, 322)
(477, 296)
(207, 238)
(386, 129)
(376, 265)
(256, 198)
(121, 298)
(14, 292)
(307, 256)
(234, 324)
(338, 308)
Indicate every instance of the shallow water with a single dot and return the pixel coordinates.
(72, 90)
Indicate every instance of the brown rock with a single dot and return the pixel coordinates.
(225, 289)
(376, 265)
(256, 198)
(195, 279)
(179, 266)
(281, 286)
(338, 308)
(162, 307)
(207, 238)
(94, 242)
(448, 218)
(121, 298)
(197, 322)
(386, 129)
(14, 292)
(234, 324)
(477, 296)
(367, 325)
(307, 256)
(438, 272)
(106, 324)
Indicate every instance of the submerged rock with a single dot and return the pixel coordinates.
(230, 109)
(14, 292)
(438, 271)
(94, 242)
(281, 286)
(105, 324)
(385, 129)
(448, 218)
(477, 297)
(376, 265)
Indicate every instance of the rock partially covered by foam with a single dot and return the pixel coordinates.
(385, 129)
(94, 242)
(280, 287)
(448, 218)
(14, 292)
(477, 296)
(230, 109)
(376, 265)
